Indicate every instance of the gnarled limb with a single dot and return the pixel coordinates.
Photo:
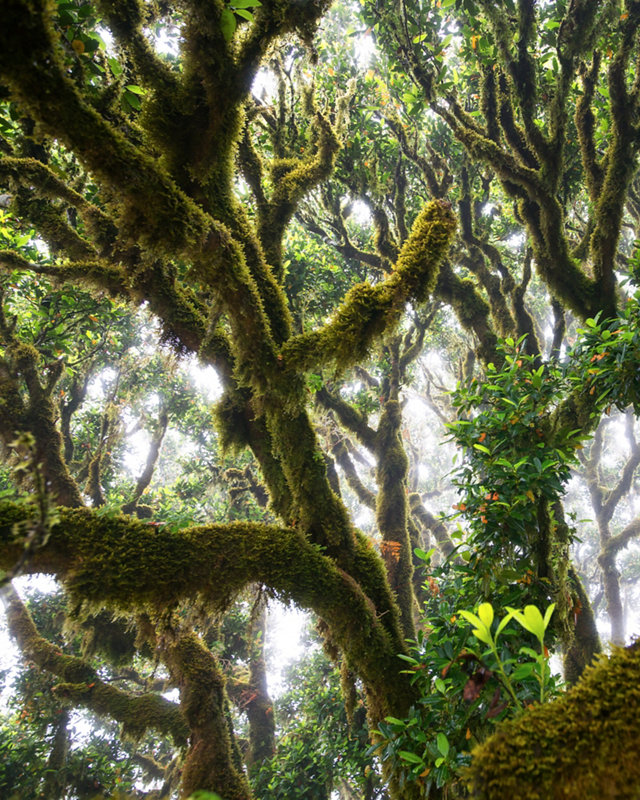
(128, 564)
(82, 685)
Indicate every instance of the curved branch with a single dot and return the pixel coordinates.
(82, 685)
(152, 457)
(369, 311)
(431, 523)
(621, 540)
(125, 19)
(31, 173)
(128, 564)
(342, 457)
(470, 308)
(349, 416)
(623, 485)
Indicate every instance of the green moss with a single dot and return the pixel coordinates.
(208, 763)
(368, 311)
(110, 636)
(81, 684)
(319, 512)
(129, 565)
(584, 644)
(382, 237)
(583, 746)
(585, 127)
(489, 103)
(291, 179)
(471, 309)
(36, 414)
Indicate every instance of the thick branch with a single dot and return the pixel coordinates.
(128, 564)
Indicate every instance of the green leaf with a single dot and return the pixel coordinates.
(133, 101)
(228, 24)
(115, 66)
(245, 4)
(412, 758)
(522, 671)
(547, 615)
(503, 623)
(443, 744)
(244, 14)
(535, 621)
(485, 612)
(135, 89)
(482, 634)
(531, 620)
(471, 618)
(483, 448)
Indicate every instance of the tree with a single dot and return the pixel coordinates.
(136, 174)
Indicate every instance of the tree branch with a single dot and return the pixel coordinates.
(81, 684)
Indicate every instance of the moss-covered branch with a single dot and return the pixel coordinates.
(621, 161)
(151, 207)
(472, 310)
(152, 457)
(343, 459)
(125, 19)
(585, 126)
(35, 414)
(431, 523)
(128, 564)
(622, 539)
(208, 763)
(349, 416)
(567, 748)
(369, 311)
(81, 684)
(94, 274)
(292, 178)
(28, 173)
(392, 509)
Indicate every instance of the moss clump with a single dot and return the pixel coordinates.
(581, 747)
